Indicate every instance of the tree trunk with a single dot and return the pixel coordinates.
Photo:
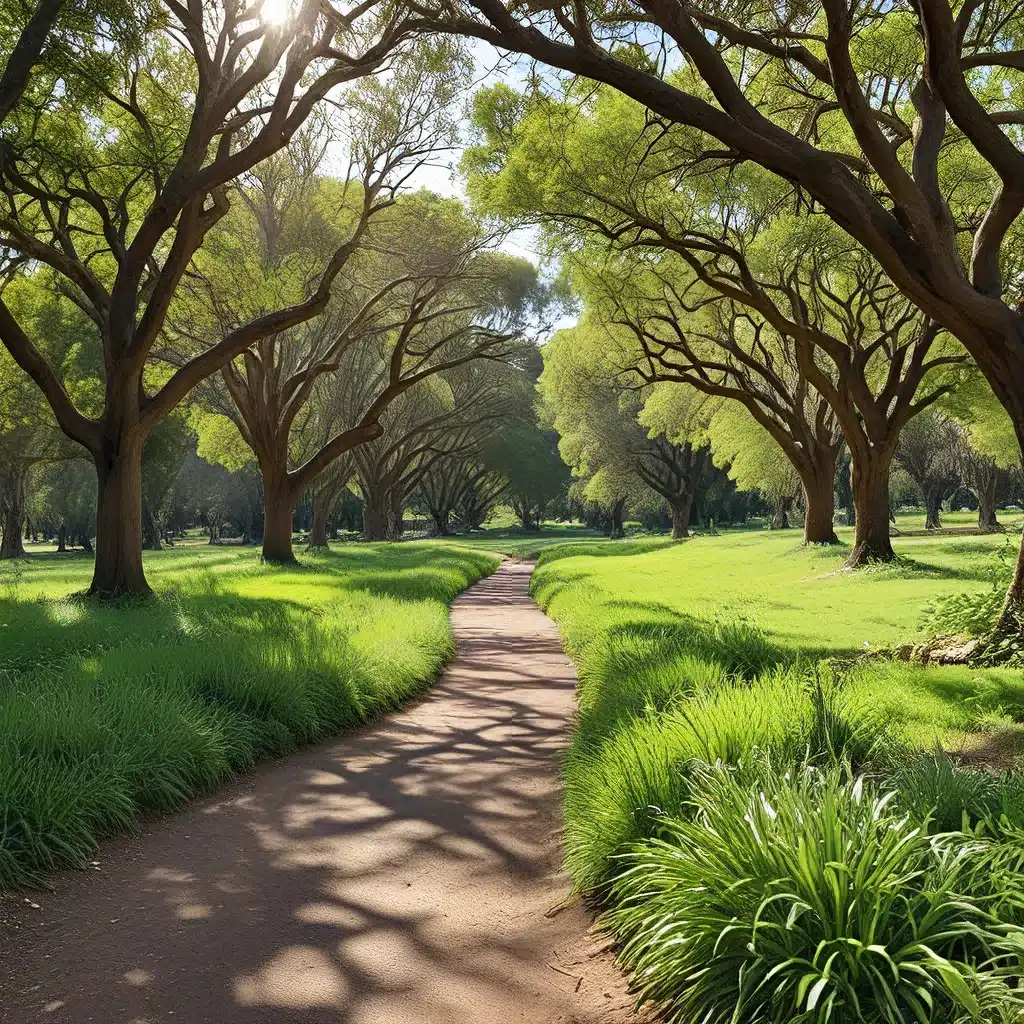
(442, 522)
(318, 525)
(615, 525)
(932, 510)
(62, 540)
(375, 517)
(820, 510)
(278, 516)
(321, 507)
(12, 545)
(681, 508)
(871, 541)
(150, 530)
(118, 571)
(987, 498)
(780, 520)
(395, 511)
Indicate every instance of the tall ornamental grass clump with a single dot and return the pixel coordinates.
(787, 898)
(201, 685)
(620, 783)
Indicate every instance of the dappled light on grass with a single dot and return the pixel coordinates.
(701, 666)
(110, 711)
(401, 873)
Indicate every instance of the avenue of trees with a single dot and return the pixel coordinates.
(790, 234)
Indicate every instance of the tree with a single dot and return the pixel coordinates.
(458, 485)
(611, 440)
(928, 452)
(419, 310)
(527, 456)
(44, 40)
(113, 184)
(65, 502)
(754, 460)
(802, 302)
(896, 120)
(989, 456)
(29, 436)
(163, 455)
(442, 417)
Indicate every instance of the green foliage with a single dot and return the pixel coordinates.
(107, 712)
(809, 896)
(976, 613)
(725, 660)
(528, 457)
(948, 797)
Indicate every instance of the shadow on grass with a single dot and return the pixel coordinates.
(327, 889)
(107, 711)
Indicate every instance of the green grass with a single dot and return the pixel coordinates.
(526, 544)
(715, 646)
(726, 709)
(110, 711)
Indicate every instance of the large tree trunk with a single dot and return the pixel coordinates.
(318, 525)
(118, 571)
(375, 514)
(820, 508)
(278, 515)
(932, 509)
(395, 512)
(871, 541)
(324, 500)
(681, 508)
(11, 544)
(442, 521)
(62, 539)
(988, 494)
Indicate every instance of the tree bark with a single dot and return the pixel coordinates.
(987, 500)
(932, 510)
(318, 525)
(780, 520)
(820, 499)
(375, 519)
(442, 522)
(278, 516)
(871, 542)
(681, 508)
(12, 545)
(615, 524)
(62, 539)
(118, 571)
(395, 511)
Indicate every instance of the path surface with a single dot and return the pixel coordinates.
(399, 875)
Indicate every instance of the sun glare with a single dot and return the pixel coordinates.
(276, 12)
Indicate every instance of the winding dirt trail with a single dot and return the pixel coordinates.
(399, 875)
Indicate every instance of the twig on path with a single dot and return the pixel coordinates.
(568, 974)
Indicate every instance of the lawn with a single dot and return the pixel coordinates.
(108, 712)
(798, 596)
(720, 669)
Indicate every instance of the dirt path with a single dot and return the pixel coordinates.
(400, 875)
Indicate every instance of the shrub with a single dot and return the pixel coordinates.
(976, 614)
(950, 796)
(811, 897)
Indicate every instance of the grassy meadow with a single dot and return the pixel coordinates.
(781, 821)
(111, 711)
